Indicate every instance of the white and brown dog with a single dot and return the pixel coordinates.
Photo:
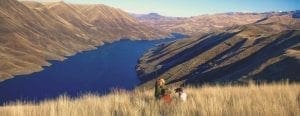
(181, 93)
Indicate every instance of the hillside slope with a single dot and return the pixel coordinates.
(203, 24)
(33, 33)
(267, 50)
(199, 25)
(273, 100)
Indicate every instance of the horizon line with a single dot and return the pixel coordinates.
(160, 13)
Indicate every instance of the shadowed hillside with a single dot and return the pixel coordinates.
(33, 33)
(265, 51)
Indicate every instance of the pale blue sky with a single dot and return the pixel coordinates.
(196, 7)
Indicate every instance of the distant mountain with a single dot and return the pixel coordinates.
(160, 22)
(32, 33)
(203, 24)
(267, 50)
(152, 16)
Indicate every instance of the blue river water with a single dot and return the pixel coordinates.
(97, 71)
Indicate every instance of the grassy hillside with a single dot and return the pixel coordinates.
(262, 51)
(270, 100)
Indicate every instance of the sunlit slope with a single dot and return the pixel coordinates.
(198, 25)
(264, 51)
(35, 32)
(271, 100)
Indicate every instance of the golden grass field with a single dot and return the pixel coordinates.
(253, 100)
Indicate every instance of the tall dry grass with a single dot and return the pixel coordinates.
(253, 100)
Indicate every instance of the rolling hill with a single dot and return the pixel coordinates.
(199, 25)
(33, 33)
(204, 24)
(267, 50)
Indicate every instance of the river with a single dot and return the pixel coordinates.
(97, 71)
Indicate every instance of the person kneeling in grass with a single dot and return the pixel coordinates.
(162, 92)
(159, 87)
